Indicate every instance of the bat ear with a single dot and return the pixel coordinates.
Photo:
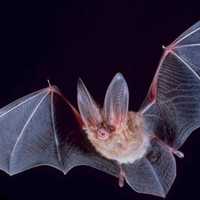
(116, 101)
(89, 111)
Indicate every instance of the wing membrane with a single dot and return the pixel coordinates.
(174, 95)
(153, 174)
(43, 128)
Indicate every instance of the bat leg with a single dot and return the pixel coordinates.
(121, 177)
(176, 152)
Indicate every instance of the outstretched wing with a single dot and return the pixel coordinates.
(171, 112)
(43, 128)
(172, 106)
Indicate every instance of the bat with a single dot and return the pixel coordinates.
(44, 128)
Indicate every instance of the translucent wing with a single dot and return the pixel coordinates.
(171, 111)
(172, 106)
(153, 174)
(43, 128)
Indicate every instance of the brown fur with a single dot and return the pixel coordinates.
(123, 142)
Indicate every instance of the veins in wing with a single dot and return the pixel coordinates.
(20, 104)
(153, 89)
(54, 128)
(184, 36)
(156, 177)
(187, 45)
(27, 122)
(186, 64)
(183, 41)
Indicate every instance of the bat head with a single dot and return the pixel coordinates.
(114, 113)
(113, 131)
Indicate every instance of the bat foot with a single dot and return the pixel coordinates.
(178, 153)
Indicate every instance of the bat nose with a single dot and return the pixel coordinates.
(102, 134)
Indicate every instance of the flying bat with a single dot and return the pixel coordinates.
(44, 128)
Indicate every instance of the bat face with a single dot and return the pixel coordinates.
(115, 133)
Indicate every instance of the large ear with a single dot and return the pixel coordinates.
(88, 109)
(116, 101)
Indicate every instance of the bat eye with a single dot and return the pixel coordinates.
(102, 134)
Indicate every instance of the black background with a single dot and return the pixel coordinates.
(64, 40)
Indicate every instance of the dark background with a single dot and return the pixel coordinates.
(64, 40)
